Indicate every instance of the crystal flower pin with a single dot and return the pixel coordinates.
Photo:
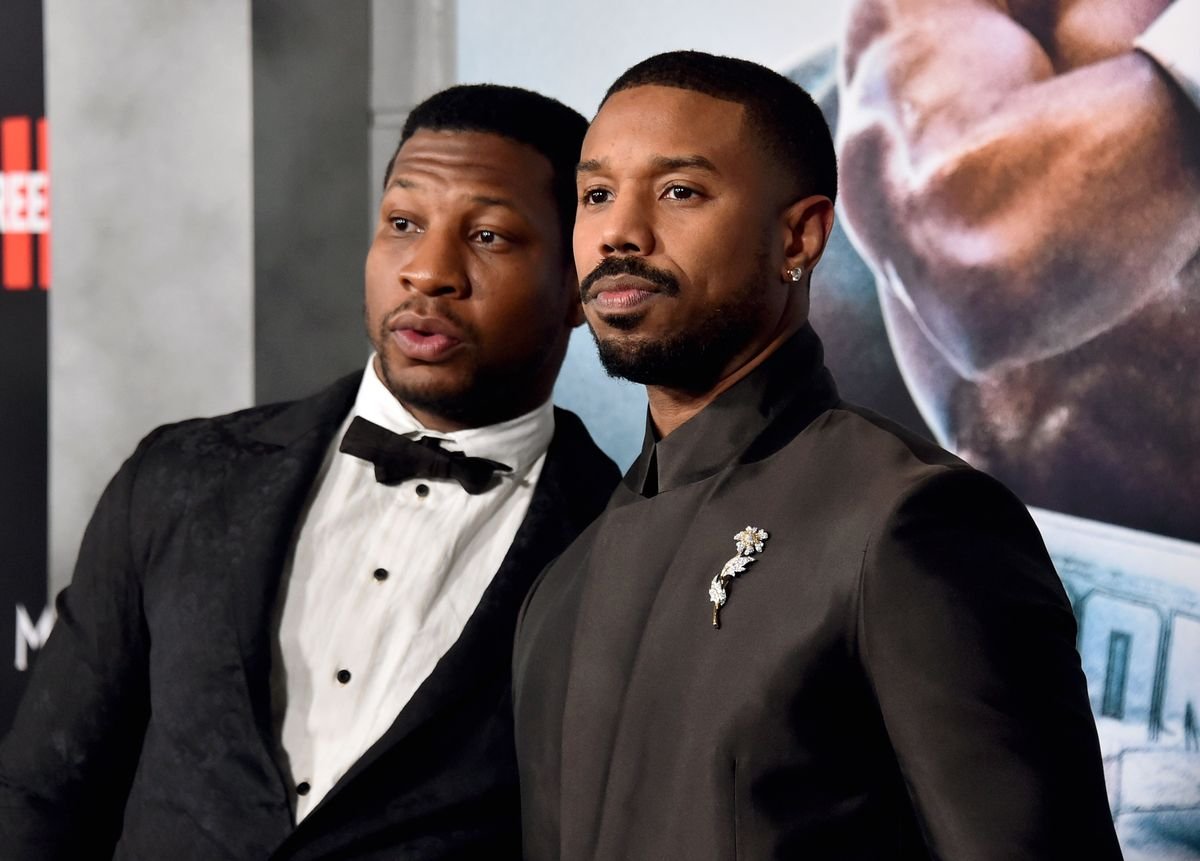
(748, 542)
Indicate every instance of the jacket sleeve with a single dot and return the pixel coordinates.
(968, 640)
(68, 761)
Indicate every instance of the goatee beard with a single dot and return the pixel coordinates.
(690, 360)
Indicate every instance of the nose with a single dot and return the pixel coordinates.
(434, 265)
(625, 228)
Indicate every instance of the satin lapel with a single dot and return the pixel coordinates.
(485, 645)
(262, 505)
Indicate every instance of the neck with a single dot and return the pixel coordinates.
(469, 421)
(488, 405)
(670, 408)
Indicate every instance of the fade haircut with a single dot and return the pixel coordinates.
(530, 118)
(790, 125)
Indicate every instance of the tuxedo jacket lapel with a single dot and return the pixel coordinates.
(554, 518)
(261, 507)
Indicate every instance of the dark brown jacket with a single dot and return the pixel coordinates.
(895, 676)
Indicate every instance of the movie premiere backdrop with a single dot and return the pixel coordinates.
(24, 281)
(1015, 272)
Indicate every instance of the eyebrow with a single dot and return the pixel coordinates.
(661, 164)
(666, 163)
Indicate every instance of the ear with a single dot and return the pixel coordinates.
(807, 224)
(575, 316)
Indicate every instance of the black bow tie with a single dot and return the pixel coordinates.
(397, 458)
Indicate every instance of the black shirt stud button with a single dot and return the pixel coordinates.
(343, 676)
(380, 574)
(422, 490)
(302, 788)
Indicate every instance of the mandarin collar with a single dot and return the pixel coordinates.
(792, 382)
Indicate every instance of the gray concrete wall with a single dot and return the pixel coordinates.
(151, 312)
(333, 84)
(413, 55)
(311, 64)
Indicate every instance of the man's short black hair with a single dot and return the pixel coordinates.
(550, 127)
(791, 125)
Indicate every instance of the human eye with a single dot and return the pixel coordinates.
(490, 239)
(400, 224)
(680, 192)
(595, 196)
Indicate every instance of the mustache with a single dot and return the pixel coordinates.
(636, 266)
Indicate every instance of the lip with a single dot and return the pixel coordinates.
(425, 339)
(621, 293)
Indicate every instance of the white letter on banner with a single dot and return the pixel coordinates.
(36, 203)
(31, 636)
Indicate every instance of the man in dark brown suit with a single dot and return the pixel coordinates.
(798, 630)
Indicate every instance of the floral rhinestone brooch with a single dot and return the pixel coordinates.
(749, 541)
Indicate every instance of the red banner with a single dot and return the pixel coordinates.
(24, 204)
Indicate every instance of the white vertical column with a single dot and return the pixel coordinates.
(311, 77)
(412, 57)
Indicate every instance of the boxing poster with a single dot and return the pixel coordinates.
(1016, 274)
(25, 619)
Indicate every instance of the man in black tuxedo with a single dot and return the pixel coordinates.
(289, 630)
(797, 631)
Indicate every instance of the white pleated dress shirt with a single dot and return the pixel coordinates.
(382, 582)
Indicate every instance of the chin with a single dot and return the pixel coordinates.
(624, 322)
(616, 322)
(428, 386)
(456, 407)
(692, 360)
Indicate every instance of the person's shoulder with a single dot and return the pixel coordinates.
(914, 480)
(894, 469)
(872, 431)
(873, 452)
(199, 442)
(203, 433)
(585, 474)
(250, 428)
(573, 443)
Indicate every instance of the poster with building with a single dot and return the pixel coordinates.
(1015, 274)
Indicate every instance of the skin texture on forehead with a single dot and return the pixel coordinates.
(477, 167)
(685, 125)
